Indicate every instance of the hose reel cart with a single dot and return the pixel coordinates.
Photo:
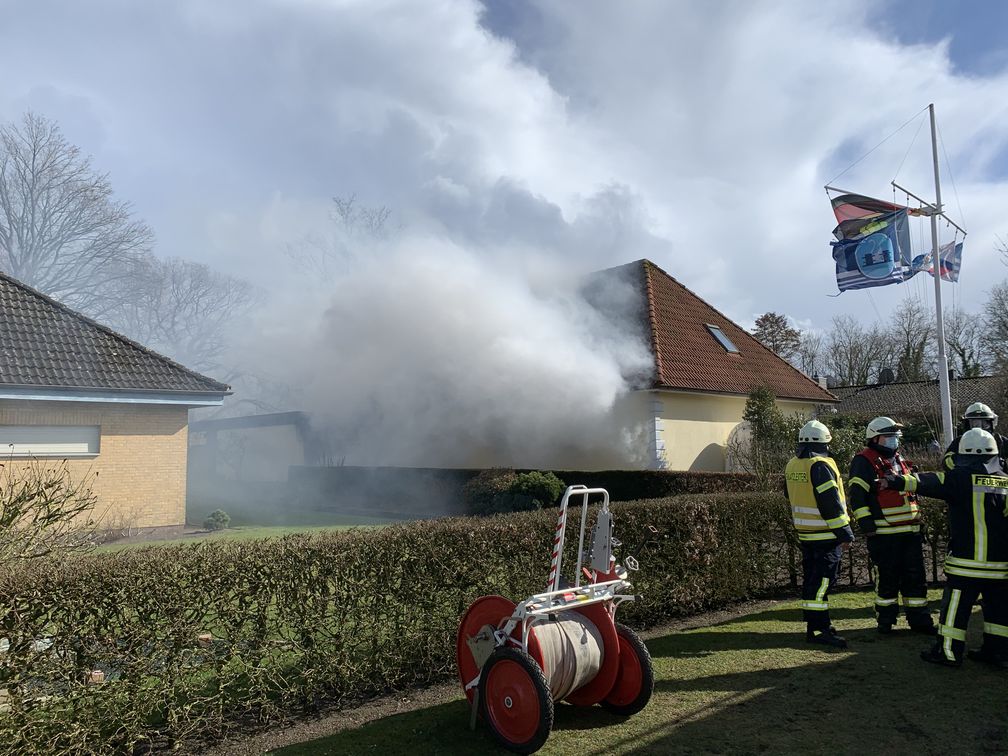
(515, 660)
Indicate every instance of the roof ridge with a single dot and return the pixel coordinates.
(715, 309)
(219, 385)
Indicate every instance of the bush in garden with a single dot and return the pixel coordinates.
(217, 520)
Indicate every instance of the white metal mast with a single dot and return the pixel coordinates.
(943, 376)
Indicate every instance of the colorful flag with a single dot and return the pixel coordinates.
(949, 261)
(874, 250)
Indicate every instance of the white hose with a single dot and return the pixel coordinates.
(572, 651)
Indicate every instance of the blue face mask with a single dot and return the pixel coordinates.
(890, 442)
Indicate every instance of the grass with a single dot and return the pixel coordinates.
(750, 685)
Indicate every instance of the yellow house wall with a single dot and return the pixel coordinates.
(692, 430)
(141, 462)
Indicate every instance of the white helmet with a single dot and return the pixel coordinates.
(980, 411)
(883, 426)
(977, 441)
(814, 432)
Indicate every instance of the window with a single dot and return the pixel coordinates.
(723, 340)
(49, 440)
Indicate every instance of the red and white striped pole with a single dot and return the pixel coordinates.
(553, 583)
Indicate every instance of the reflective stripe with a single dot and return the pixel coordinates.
(940, 476)
(951, 569)
(823, 487)
(961, 562)
(807, 510)
(883, 529)
(915, 601)
(821, 593)
(909, 483)
(814, 606)
(859, 482)
(992, 629)
(905, 509)
(815, 536)
(950, 632)
(862, 512)
(979, 527)
(838, 522)
(879, 601)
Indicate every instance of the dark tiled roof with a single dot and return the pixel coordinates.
(920, 397)
(45, 343)
(689, 358)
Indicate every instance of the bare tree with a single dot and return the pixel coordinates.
(855, 355)
(777, 335)
(808, 358)
(61, 230)
(184, 310)
(996, 321)
(964, 336)
(44, 511)
(913, 331)
(354, 226)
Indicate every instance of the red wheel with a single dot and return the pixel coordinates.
(515, 700)
(635, 679)
(486, 610)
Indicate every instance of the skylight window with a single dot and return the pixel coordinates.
(723, 340)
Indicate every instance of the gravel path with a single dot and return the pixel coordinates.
(333, 721)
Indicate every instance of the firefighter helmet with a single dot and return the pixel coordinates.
(814, 432)
(980, 411)
(883, 426)
(978, 441)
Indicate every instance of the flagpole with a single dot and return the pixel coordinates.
(943, 376)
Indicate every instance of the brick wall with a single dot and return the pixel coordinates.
(141, 463)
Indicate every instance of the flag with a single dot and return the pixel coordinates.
(949, 261)
(873, 251)
(850, 209)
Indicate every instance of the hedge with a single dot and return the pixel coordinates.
(160, 646)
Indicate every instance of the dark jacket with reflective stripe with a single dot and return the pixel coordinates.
(978, 521)
(899, 515)
(825, 489)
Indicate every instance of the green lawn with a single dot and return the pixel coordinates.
(746, 686)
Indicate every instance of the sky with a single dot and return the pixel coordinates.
(519, 144)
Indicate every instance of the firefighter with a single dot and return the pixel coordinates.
(976, 563)
(819, 513)
(891, 521)
(977, 415)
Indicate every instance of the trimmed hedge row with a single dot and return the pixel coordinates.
(159, 646)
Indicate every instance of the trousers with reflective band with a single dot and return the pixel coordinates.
(899, 508)
(820, 565)
(960, 596)
(805, 514)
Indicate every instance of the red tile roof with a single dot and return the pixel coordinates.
(687, 355)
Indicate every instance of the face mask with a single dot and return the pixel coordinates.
(890, 442)
(987, 425)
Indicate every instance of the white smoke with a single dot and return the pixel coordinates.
(422, 352)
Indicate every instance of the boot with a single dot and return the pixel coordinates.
(827, 637)
(934, 656)
(927, 628)
(988, 657)
(885, 628)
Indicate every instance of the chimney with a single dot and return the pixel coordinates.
(821, 380)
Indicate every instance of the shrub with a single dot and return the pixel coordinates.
(217, 520)
(482, 494)
(192, 638)
(534, 490)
